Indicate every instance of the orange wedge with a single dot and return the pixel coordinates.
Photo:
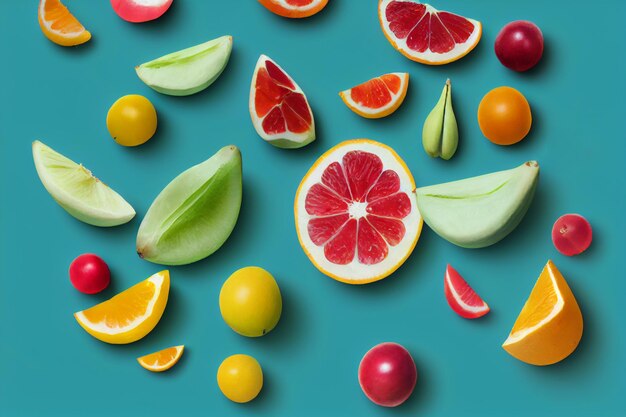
(59, 25)
(550, 325)
(295, 9)
(378, 97)
(162, 360)
(131, 314)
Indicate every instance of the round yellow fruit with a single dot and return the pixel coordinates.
(240, 378)
(132, 120)
(250, 302)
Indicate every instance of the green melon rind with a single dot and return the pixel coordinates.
(187, 71)
(480, 211)
(195, 213)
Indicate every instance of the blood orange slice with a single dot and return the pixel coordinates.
(294, 8)
(356, 212)
(461, 297)
(279, 109)
(424, 34)
(378, 97)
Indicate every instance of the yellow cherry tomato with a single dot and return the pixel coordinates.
(250, 301)
(504, 116)
(240, 378)
(132, 120)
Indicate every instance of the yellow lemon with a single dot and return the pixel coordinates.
(240, 378)
(132, 120)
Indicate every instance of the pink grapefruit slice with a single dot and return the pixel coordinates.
(138, 11)
(295, 9)
(356, 212)
(378, 97)
(279, 109)
(424, 34)
(461, 297)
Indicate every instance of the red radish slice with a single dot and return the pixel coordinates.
(138, 11)
(461, 297)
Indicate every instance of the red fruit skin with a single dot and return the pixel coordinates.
(456, 307)
(519, 45)
(136, 13)
(89, 274)
(387, 374)
(571, 234)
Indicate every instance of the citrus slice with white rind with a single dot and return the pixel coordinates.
(76, 189)
(463, 300)
(378, 97)
(162, 360)
(131, 314)
(356, 212)
(424, 34)
(294, 9)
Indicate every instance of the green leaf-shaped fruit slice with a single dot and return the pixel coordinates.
(187, 71)
(194, 215)
(80, 193)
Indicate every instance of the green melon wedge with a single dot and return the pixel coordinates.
(195, 213)
(480, 211)
(76, 189)
(187, 71)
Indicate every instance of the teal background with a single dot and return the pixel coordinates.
(50, 367)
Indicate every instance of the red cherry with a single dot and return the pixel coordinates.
(519, 45)
(387, 374)
(89, 274)
(571, 234)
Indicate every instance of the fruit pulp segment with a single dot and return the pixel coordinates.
(541, 303)
(121, 310)
(376, 93)
(59, 18)
(424, 28)
(299, 3)
(161, 357)
(338, 221)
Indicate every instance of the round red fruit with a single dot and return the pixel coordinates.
(571, 234)
(519, 45)
(89, 274)
(387, 374)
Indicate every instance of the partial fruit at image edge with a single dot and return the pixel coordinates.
(250, 302)
(571, 234)
(448, 38)
(294, 9)
(139, 11)
(78, 191)
(240, 378)
(356, 213)
(504, 116)
(480, 211)
(195, 213)
(131, 314)
(440, 134)
(463, 300)
(279, 110)
(550, 325)
(89, 274)
(387, 374)
(187, 71)
(519, 45)
(59, 25)
(132, 120)
(162, 360)
(378, 97)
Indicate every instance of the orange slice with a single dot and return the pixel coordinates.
(131, 314)
(378, 97)
(162, 360)
(59, 25)
(550, 325)
(424, 34)
(294, 9)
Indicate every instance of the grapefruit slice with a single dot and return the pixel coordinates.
(424, 34)
(294, 9)
(356, 212)
(378, 97)
(59, 25)
(461, 297)
(162, 360)
(138, 11)
(279, 109)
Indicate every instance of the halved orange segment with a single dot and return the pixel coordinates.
(131, 314)
(294, 9)
(550, 325)
(162, 360)
(59, 25)
(378, 97)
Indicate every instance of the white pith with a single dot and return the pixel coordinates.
(355, 271)
(459, 300)
(286, 5)
(428, 55)
(149, 3)
(258, 121)
(347, 94)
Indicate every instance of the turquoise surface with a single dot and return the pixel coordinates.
(50, 367)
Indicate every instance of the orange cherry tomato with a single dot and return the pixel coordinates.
(504, 116)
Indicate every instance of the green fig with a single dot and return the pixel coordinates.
(195, 214)
(480, 211)
(440, 135)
